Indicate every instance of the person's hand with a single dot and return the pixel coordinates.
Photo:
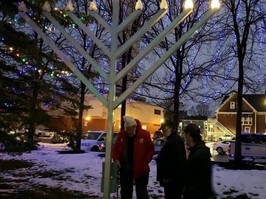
(118, 163)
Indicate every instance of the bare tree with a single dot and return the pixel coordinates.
(82, 12)
(246, 19)
(236, 54)
(171, 82)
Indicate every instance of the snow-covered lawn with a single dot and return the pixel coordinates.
(83, 172)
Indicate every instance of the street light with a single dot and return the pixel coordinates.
(163, 5)
(139, 5)
(188, 4)
(215, 4)
(93, 6)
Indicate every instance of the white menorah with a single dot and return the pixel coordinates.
(115, 52)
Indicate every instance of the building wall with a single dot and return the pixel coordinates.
(96, 118)
(261, 123)
(96, 124)
(227, 106)
(227, 117)
(63, 123)
(228, 120)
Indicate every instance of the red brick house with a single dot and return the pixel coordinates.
(253, 113)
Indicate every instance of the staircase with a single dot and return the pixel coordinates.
(225, 130)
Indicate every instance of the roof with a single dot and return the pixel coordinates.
(257, 101)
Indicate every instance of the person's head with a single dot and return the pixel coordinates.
(192, 134)
(130, 125)
(167, 127)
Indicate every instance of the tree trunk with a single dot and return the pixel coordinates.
(80, 118)
(238, 158)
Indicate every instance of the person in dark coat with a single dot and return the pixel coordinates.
(170, 162)
(198, 178)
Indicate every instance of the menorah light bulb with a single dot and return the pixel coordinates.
(22, 7)
(93, 6)
(188, 4)
(215, 4)
(164, 5)
(139, 5)
(46, 7)
(69, 6)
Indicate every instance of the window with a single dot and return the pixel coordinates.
(157, 112)
(232, 105)
(246, 120)
(247, 130)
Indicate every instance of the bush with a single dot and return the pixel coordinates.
(14, 143)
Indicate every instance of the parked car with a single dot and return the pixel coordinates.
(226, 137)
(253, 148)
(92, 140)
(158, 143)
(44, 133)
(59, 138)
(221, 147)
(102, 146)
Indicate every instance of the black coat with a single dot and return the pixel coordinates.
(198, 180)
(171, 160)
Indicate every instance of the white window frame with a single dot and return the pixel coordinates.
(246, 120)
(232, 105)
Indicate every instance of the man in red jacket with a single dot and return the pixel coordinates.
(132, 152)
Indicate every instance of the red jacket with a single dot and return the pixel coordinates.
(143, 150)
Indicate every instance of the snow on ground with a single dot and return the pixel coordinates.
(83, 172)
